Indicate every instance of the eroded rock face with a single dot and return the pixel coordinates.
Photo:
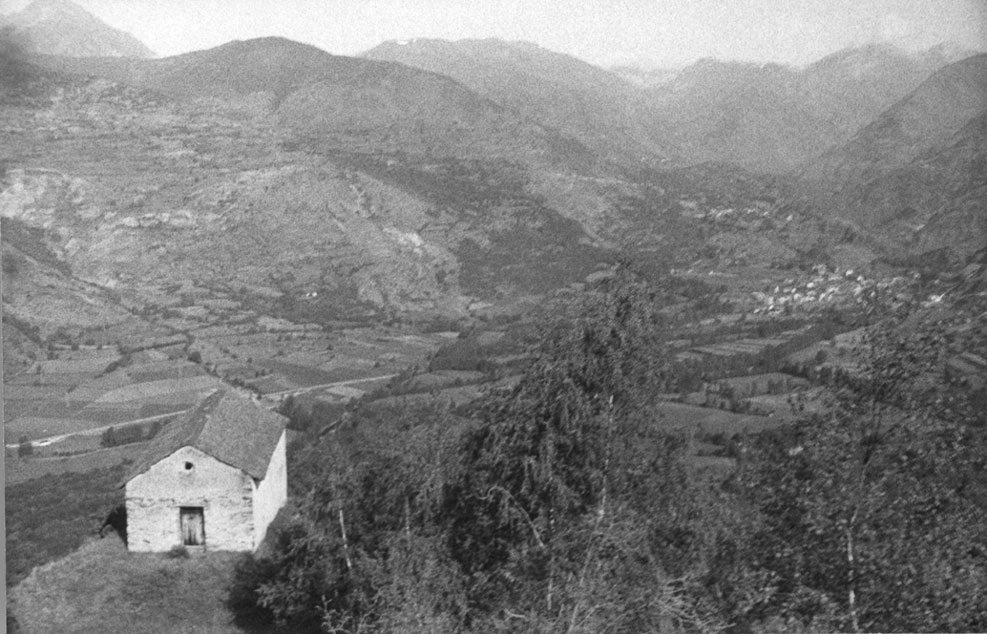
(45, 198)
(326, 227)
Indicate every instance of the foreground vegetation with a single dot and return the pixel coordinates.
(558, 505)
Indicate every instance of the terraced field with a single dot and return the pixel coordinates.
(78, 395)
(85, 389)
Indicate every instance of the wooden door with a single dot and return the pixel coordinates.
(193, 526)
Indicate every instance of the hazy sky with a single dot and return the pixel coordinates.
(604, 32)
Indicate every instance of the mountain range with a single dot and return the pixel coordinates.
(764, 117)
(145, 178)
(428, 175)
(774, 118)
(357, 102)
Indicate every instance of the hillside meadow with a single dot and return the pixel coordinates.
(103, 588)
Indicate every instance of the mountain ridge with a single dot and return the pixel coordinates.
(343, 100)
(923, 118)
(60, 27)
(156, 190)
(721, 110)
(915, 174)
(587, 103)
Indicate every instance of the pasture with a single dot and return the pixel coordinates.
(708, 420)
(103, 588)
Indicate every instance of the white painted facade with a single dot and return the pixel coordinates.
(271, 492)
(236, 509)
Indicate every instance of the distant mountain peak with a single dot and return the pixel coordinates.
(268, 40)
(467, 40)
(268, 43)
(476, 45)
(43, 9)
(61, 27)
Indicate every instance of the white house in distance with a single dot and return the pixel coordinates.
(213, 479)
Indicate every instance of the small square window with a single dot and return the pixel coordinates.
(188, 466)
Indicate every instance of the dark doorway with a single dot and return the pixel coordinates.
(193, 526)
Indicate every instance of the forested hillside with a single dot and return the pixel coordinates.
(566, 504)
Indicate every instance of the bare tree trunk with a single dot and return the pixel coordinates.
(604, 494)
(551, 583)
(851, 576)
(549, 543)
(346, 544)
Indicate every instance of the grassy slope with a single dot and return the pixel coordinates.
(43, 462)
(101, 588)
(48, 517)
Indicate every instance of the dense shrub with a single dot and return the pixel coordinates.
(114, 436)
(462, 354)
(24, 447)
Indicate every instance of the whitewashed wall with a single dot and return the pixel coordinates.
(272, 492)
(155, 496)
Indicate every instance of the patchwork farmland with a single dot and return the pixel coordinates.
(91, 388)
(90, 391)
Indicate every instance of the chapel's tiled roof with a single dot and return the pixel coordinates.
(229, 427)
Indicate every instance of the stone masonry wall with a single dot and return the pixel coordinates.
(155, 497)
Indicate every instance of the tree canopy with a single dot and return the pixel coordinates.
(561, 503)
